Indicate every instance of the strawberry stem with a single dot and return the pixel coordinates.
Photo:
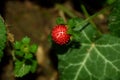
(91, 21)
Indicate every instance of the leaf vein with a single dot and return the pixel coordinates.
(99, 53)
(84, 61)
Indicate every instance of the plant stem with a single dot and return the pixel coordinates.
(90, 18)
(66, 10)
(96, 14)
(85, 22)
(13, 55)
(87, 16)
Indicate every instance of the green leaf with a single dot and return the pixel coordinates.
(19, 53)
(76, 36)
(94, 59)
(110, 1)
(77, 24)
(50, 39)
(60, 20)
(17, 45)
(33, 48)
(2, 36)
(21, 69)
(28, 56)
(74, 23)
(33, 66)
(114, 19)
(26, 40)
(24, 48)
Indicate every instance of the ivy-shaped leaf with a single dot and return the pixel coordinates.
(93, 60)
(2, 36)
(114, 19)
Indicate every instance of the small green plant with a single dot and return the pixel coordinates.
(23, 53)
(24, 57)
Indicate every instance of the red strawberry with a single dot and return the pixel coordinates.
(59, 34)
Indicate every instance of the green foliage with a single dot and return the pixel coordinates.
(97, 60)
(75, 26)
(95, 57)
(21, 69)
(33, 48)
(110, 1)
(114, 19)
(24, 54)
(60, 20)
(2, 36)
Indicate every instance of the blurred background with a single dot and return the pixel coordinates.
(35, 18)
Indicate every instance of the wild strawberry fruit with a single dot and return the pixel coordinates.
(59, 34)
